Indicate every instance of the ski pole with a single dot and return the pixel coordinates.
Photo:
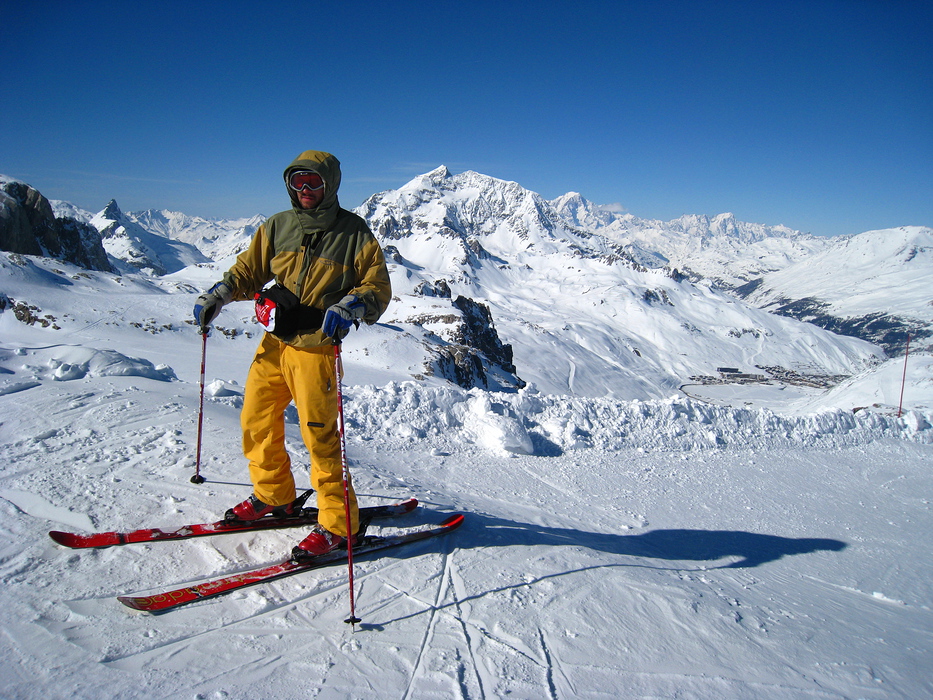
(900, 404)
(197, 478)
(341, 431)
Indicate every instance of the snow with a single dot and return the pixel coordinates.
(631, 530)
(890, 268)
(748, 545)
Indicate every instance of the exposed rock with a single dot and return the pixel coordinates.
(478, 331)
(28, 226)
(440, 288)
(472, 354)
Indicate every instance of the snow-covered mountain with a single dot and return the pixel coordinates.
(215, 238)
(720, 248)
(485, 272)
(129, 235)
(63, 209)
(872, 286)
(876, 285)
(138, 249)
(611, 325)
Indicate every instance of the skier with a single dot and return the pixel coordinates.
(330, 273)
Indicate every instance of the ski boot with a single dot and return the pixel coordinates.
(253, 509)
(319, 541)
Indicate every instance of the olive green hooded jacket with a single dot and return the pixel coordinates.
(320, 254)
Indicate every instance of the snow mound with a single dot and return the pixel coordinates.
(16, 387)
(492, 425)
(67, 363)
(531, 423)
(220, 388)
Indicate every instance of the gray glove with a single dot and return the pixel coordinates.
(339, 317)
(209, 304)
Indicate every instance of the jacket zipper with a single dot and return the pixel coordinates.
(305, 262)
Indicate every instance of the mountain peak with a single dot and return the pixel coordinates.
(112, 211)
(428, 180)
(583, 213)
(439, 173)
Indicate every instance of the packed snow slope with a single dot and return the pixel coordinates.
(613, 547)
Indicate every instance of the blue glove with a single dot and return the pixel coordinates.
(339, 317)
(209, 304)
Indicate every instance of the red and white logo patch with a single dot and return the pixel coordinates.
(265, 311)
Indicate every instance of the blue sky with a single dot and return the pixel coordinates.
(817, 115)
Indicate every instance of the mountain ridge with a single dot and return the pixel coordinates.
(544, 278)
(475, 235)
(137, 248)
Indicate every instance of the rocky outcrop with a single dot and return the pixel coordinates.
(470, 352)
(29, 226)
(891, 331)
(478, 331)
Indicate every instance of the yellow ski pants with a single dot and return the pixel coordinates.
(280, 374)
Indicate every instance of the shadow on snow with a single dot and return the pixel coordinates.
(673, 545)
(754, 549)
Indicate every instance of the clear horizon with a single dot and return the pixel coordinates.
(811, 115)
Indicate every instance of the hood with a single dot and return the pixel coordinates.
(325, 165)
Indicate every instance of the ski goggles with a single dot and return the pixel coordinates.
(300, 179)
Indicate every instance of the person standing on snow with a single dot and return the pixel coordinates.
(330, 273)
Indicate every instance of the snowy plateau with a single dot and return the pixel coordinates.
(670, 490)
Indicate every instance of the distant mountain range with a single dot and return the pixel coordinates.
(873, 285)
(496, 286)
(876, 286)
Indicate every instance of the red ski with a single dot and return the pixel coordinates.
(163, 602)
(307, 516)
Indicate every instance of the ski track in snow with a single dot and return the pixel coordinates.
(518, 602)
(450, 650)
